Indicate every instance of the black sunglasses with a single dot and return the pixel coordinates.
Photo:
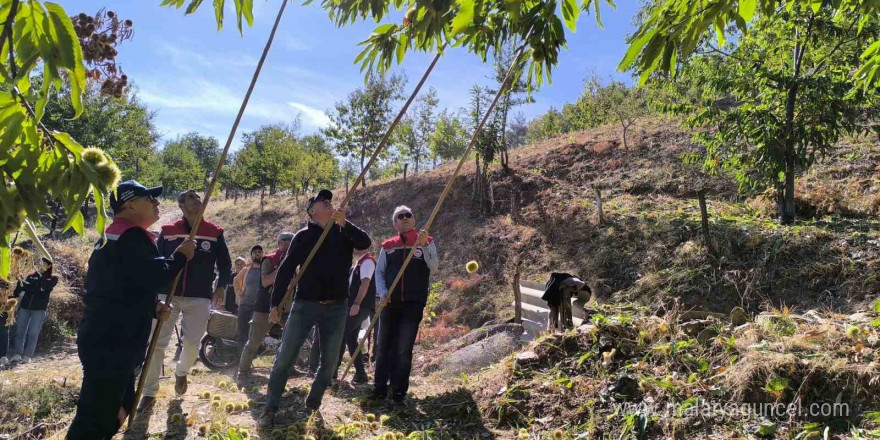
(404, 215)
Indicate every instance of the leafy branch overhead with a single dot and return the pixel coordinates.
(676, 28)
(481, 26)
(42, 55)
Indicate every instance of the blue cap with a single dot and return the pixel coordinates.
(128, 190)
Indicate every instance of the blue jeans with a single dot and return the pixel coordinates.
(28, 324)
(245, 313)
(330, 320)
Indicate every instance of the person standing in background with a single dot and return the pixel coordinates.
(230, 303)
(34, 292)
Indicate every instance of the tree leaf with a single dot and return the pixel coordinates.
(5, 259)
(465, 16)
(383, 29)
(102, 217)
(75, 220)
(69, 51)
(247, 8)
(218, 12)
(747, 9)
(570, 11)
(599, 13)
(32, 233)
(719, 32)
(193, 5)
(635, 48)
(72, 146)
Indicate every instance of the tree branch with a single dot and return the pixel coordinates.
(7, 37)
(821, 64)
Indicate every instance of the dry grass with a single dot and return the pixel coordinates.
(650, 252)
(569, 385)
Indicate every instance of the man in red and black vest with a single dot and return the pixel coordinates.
(361, 303)
(194, 294)
(399, 322)
(125, 272)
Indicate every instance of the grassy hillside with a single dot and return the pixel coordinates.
(650, 249)
(648, 259)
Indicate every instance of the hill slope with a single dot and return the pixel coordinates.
(650, 249)
(648, 257)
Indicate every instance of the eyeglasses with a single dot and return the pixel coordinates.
(404, 215)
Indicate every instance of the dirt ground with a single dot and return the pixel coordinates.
(436, 404)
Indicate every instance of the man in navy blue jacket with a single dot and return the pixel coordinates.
(125, 272)
(195, 292)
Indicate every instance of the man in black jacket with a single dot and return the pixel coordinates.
(125, 272)
(320, 298)
(194, 294)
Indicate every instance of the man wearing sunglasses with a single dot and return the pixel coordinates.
(399, 322)
(320, 299)
(195, 292)
(125, 272)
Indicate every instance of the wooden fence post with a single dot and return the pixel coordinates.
(704, 217)
(517, 294)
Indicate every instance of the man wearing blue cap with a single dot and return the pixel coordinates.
(125, 273)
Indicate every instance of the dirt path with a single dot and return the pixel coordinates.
(439, 406)
(436, 405)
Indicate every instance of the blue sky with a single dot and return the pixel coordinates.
(195, 77)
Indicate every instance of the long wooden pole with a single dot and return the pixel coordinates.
(207, 198)
(288, 295)
(438, 205)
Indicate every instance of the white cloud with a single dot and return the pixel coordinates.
(311, 116)
(191, 60)
(296, 45)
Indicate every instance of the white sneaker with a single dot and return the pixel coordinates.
(15, 359)
(4, 361)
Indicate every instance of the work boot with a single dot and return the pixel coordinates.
(378, 394)
(180, 384)
(15, 359)
(4, 361)
(399, 399)
(360, 377)
(266, 420)
(312, 406)
(147, 403)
